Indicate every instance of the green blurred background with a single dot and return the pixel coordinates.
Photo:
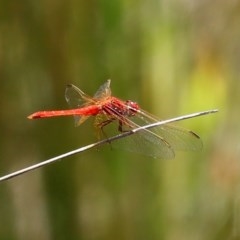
(173, 58)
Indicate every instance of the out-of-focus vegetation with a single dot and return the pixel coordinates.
(172, 57)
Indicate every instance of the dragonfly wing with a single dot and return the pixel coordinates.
(76, 98)
(104, 91)
(159, 141)
(79, 120)
(179, 138)
(147, 144)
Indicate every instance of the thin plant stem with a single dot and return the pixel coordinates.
(102, 142)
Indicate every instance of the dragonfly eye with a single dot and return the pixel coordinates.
(132, 107)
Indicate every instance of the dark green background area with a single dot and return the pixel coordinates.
(173, 58)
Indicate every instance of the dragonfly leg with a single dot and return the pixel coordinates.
(120, 127)
(101, 131)
(100, 127)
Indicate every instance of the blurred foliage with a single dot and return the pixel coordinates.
(173, 57)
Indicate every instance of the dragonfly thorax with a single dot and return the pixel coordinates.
(119, 108)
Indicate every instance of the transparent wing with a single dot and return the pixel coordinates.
(146, 143)
(179, 138)
(76, 98)
(160, 142)
(104, 91)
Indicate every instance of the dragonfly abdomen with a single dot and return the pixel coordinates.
(84, 111)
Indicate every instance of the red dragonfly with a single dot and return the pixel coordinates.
(160, 142)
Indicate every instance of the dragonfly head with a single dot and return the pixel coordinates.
(132, 107)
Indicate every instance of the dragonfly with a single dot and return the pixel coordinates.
(158, 142)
